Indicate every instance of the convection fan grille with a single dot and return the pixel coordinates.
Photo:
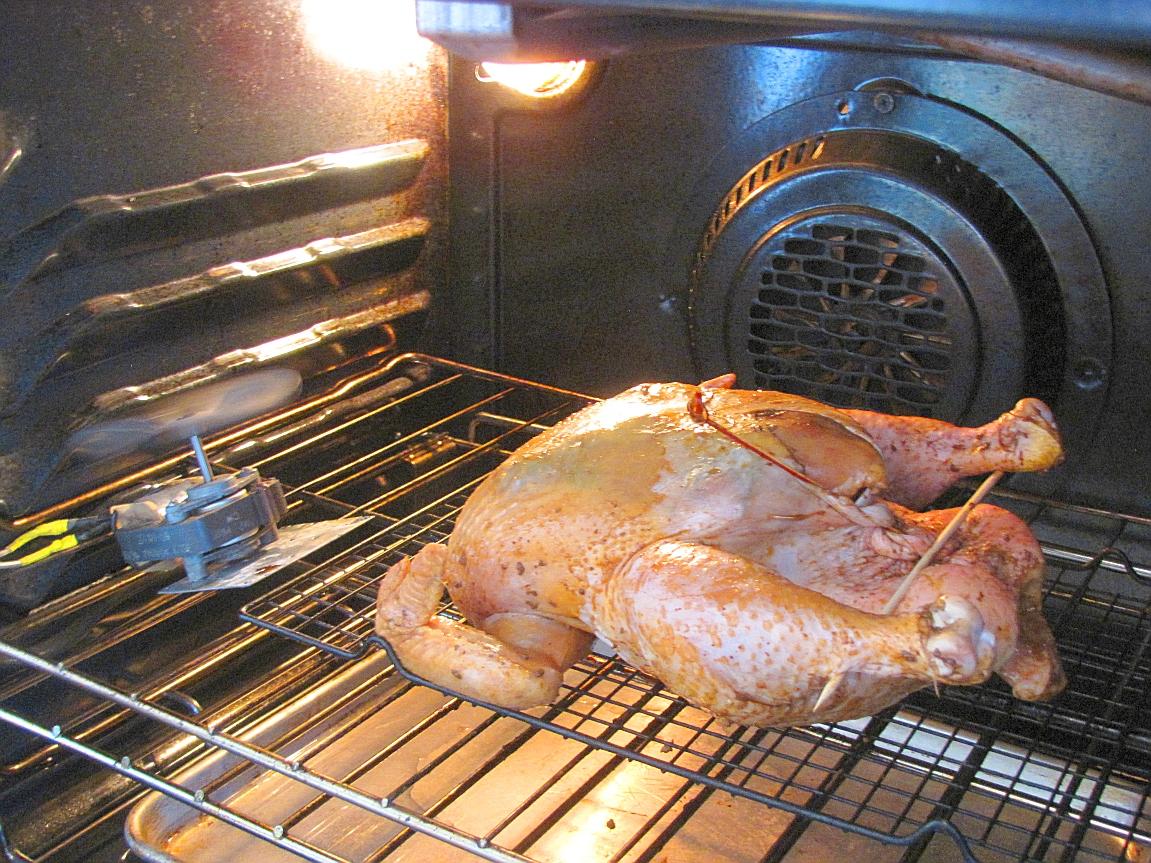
(853, 315)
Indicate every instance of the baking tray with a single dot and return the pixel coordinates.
(338, 727)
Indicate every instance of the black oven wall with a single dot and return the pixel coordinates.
(191, 188)
(896, 229)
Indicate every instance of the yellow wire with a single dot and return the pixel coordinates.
(48, 528)
(62, 544)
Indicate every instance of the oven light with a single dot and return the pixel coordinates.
(538, 80)
(365, 35)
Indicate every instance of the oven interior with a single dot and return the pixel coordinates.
(872, 218)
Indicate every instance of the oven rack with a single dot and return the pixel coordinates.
(957, 758)
(1005, 779)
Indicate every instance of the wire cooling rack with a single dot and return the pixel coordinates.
(1002, 778)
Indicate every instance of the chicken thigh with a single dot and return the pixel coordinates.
(744, 561)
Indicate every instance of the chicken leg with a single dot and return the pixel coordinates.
(1034, 671)
(924, 457)
(994, 563)
(757, 648)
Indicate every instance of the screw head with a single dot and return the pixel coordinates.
(884, 103)
(1088, 373)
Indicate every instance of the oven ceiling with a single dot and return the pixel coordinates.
(1105, 23)
(1099, 46)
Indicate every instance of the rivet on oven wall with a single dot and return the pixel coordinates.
(884, 102)
(843, 107)
(1088, 373)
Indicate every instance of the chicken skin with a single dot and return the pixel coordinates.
(744, 561)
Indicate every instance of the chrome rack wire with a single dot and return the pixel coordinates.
(971, 768)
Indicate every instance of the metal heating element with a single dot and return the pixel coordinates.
(357, 761)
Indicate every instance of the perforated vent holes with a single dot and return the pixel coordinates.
(852, 315)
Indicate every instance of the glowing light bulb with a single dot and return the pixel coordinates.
(538, 80)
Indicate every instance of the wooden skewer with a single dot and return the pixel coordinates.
(944, 535)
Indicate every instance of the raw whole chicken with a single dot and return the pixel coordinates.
(753, 587)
